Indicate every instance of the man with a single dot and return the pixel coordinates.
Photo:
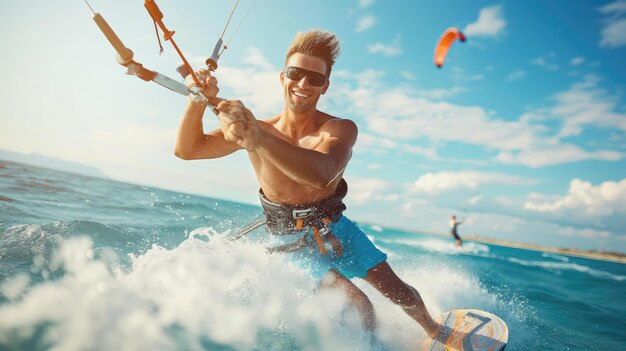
(454, 224)
(299, 157)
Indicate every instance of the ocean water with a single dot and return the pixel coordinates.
(94, 264)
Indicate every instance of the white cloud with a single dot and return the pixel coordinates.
(585, 104)
(617, 8)
(257, 85)
(365, 3)
(543, 62)
(414, 117)
(368, 79)
(517, 75)
(550, 153)
(428, 152)
(474, 199)
(583, 198)
(613, 35)
(490, 23)
(363, 190)
(366, 22)
(409, 207)
(474, 77)
(577, 61)
(255, 58)
(140, 145)
(614, 32)
(462, 76)
(407, 75)
(587, 233)
(259, 90)
(438, 94)
(377, 145)
(401, 113)
(392, 49)
(434, 183)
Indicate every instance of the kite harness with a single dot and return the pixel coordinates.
(314, 218)
(282, 219)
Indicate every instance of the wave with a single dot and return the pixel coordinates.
(441, 246)
(555, 256)
(568, 266)
(376, 228)
(6, 199)
(38, 185)
(28, 238)
(213, 293)
(23, 244)
(203, 292)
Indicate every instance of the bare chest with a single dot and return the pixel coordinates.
(311, 142)
(278, 185)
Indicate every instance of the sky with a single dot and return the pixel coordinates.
(522, 133)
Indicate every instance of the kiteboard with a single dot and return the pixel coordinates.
(469, 330)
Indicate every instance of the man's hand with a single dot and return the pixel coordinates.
(239, 125)
(208, 86)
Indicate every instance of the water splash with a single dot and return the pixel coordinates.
(206, 293)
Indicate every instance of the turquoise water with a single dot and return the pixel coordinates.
(93, 264)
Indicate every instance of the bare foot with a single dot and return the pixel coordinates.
(442, 334)
(432, 329)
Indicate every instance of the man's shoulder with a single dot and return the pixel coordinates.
(272, 120)
(341, 128)
(337, 122)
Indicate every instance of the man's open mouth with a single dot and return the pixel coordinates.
(300, 95)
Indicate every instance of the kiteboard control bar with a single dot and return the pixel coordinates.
(125, 58)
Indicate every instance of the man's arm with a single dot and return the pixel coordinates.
(316, 168)
(193, 144)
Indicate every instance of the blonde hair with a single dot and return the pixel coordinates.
(316, 43)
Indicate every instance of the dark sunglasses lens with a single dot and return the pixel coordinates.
(296, 73)
(317, 79)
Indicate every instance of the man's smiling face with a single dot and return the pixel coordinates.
(301, 95)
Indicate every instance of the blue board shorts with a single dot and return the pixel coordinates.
(358, 257)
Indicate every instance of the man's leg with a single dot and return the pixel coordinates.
(383, 278)
(457, 238)
(336, 280)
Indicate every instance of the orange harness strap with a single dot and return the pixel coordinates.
(321, 245)
(318, 239)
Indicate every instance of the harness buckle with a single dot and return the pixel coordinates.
(303, 213)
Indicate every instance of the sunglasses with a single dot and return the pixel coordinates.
(296, 73)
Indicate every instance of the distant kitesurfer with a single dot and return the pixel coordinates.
(454, 224)
(299, 156)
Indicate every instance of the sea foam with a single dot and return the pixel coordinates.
(206, 293)
(212, 293)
